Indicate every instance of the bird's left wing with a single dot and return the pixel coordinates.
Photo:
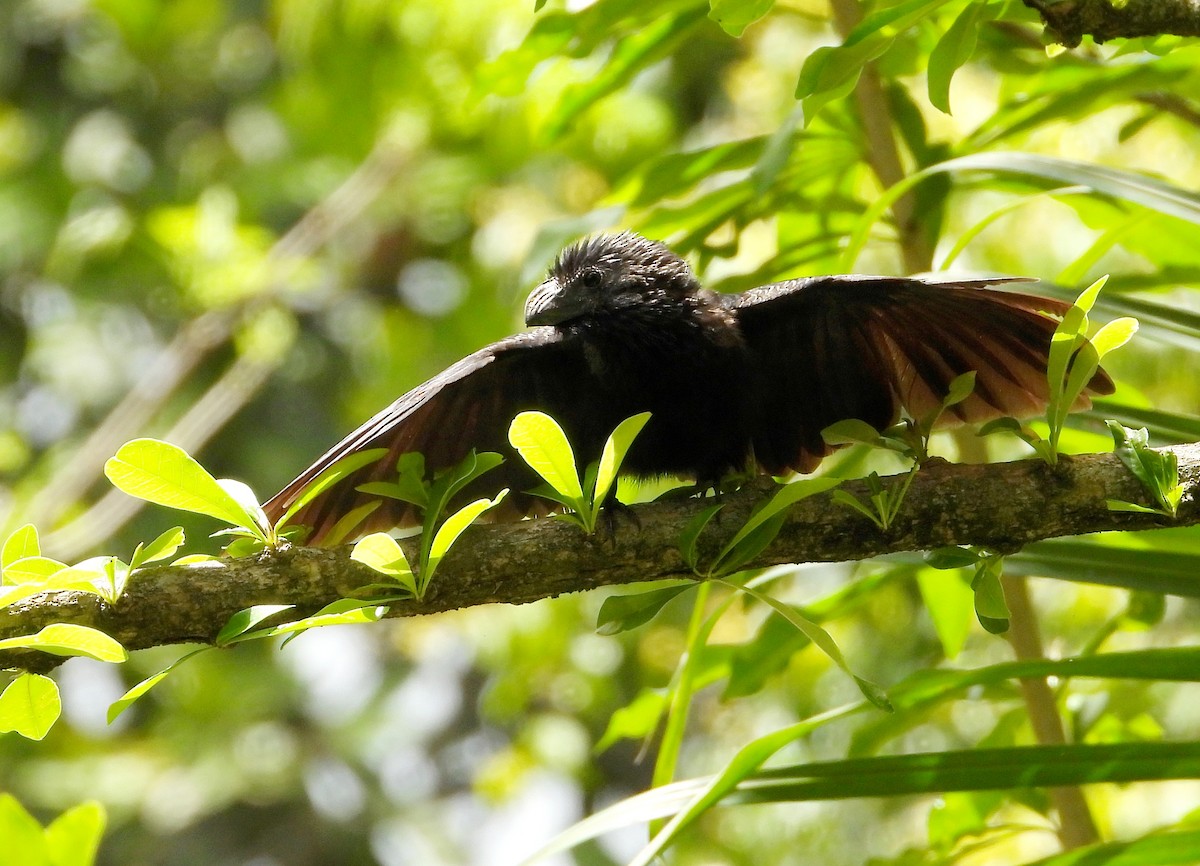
(830, 348)
(468, 405)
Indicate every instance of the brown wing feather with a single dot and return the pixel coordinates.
(468, 405)
(831, 348)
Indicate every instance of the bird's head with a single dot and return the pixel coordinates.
(607, 273)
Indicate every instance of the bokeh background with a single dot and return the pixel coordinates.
(244, 226)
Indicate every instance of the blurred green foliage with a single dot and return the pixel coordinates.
(245, 226)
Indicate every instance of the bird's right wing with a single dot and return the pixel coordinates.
(468, 405)
(831, 348)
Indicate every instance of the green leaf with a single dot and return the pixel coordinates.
(244, 620)
(32, 569)
(67, 639)
(160, 548)
(621, 613)
(451, 529)
(735, 16)
(821, 640)
(362, 612)
(785, 497)
(24, 839)
(990, 606)
(382, 553)
(615, 449)
(951, 557)
(690, 535)
(955, 48)
(1158, 471)
(134, 694)
(331, 476)
(73, 838)
(30, 706)
(852, 431)
(164, 474)
(950, 602)
(21, 544)
(636, 720)
(543, 445)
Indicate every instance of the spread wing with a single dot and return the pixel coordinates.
(831, 348)
(468, 405)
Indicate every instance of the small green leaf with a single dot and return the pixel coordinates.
(785, 497)
(167, 475)
(635, 720)
(621, 613)
(379, 551)
(32, 569)
(955, 48)
(951, 557)
(852, 431)
(160, 548)
(30, 706)
(990, 606)
(451, 529)
(362, 613)
(21, 544)
(960, 389)
(67, 639)
(735, 16)
(130, 697)
(950, 603)
(1114, 335)
(244, 620)
(615, 449)
(848, 499)
(73, 838)
(24, 839)
(543, 445)
(691, 534)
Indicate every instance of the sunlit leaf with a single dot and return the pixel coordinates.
(68, 639)
(543, 445)
(616, 447)
(627, 611)
(22, 543)
(735, 16)
(164, 474)
(73, 838)
(452, 528)
(244, 620)
(30, 706)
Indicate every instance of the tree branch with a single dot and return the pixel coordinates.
(1068, 21)
(1001, 506)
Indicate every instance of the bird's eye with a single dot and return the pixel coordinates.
(592, 279)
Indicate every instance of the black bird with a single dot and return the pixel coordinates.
(621, 326)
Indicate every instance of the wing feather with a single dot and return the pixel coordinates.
(831, 348)
(468, 405)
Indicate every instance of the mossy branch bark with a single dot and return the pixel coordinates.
(1068, 21)
(1002, 506)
